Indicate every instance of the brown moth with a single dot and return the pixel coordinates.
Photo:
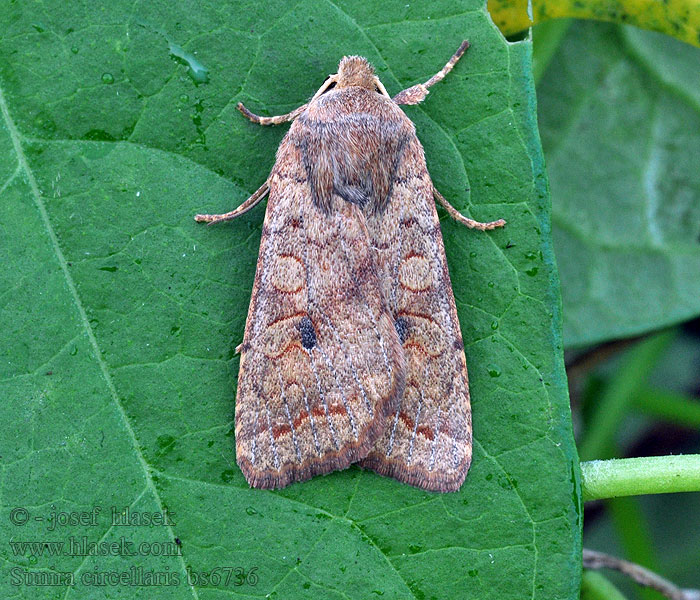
(352, 351)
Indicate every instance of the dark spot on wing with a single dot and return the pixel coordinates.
(308, 333)
(401, 325)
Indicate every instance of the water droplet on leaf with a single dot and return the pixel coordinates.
(196, 70)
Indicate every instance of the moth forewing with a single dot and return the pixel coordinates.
(321, 365)
(352, 350)
(428, 441)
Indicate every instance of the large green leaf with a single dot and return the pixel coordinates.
(620, 120)
(121, 314)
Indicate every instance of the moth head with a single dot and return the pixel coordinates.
(355, 71)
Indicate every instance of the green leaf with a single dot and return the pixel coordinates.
(619, 115)
(121, 314)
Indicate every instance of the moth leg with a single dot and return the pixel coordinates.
(457, 216)
(258, 195)
(270, 120)
(417, 93)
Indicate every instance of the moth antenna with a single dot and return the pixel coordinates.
(417, 93)
(381, 88)
(258, 195)
(276, 120)
(326, 84)
(460, 218)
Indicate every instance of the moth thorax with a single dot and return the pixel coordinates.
(355, 71)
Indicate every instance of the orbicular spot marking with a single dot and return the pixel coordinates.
(308, 333)
(401, 325)
(415, 273)
(287, 274)
(427, 336)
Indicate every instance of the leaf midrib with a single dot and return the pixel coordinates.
(41, 207)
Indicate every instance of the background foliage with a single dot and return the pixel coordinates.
(618, 113)
(619, 116)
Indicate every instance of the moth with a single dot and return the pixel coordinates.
(352, 351)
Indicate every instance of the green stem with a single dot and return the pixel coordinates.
(595, 586)
(646, 475)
